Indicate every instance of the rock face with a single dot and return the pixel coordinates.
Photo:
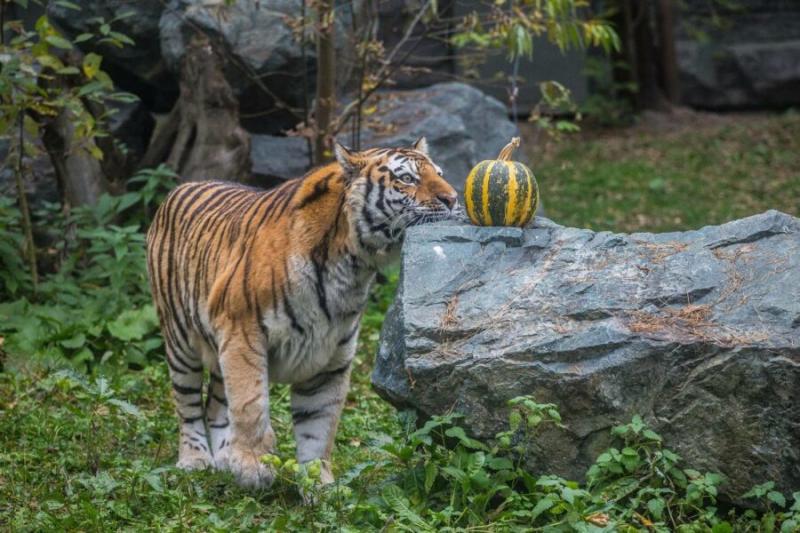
(699, 332)
(275, 159)
(262, 49)
(41, 184)
(752, 61)
(136, 68)
(463, 127)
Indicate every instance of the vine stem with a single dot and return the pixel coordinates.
(508, 150)
(27, 227)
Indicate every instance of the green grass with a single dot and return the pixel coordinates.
(693, 171)
(88, 434)
(94, 451)
(71, 460)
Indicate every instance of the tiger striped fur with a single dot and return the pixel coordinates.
(260, 287)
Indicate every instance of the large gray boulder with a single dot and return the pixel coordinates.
(745, 57)
(698, 331)
(275, 159)
(746, 75)
(463, 126)
(267, 67)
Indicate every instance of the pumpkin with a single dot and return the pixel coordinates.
(501, 192)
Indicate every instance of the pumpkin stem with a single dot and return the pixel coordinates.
(505, 153)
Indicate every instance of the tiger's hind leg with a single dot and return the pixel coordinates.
(219, 425)
(186, 373)
(316, 407)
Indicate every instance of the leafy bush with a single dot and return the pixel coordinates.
(14, 278)
(443, 480)
(95, 304)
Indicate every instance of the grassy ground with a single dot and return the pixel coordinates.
(670, 173)
(94, 452)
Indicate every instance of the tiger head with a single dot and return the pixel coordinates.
(391, 189)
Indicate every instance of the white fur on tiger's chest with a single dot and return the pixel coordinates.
(314, 329)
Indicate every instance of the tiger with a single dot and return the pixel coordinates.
(268, 286)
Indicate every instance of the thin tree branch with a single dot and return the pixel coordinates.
(386, 69)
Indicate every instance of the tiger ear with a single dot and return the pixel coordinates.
(421, 145)
(347, 158)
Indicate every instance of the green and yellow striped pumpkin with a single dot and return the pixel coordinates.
(501, 192)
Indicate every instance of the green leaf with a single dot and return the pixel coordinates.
(500, 463)
(652, 435)
(796, 505)
(393, 496)
(154, 480)
(554, 414)
(58, 42)
(68, 70)
(656, 508)
(91, 65)
(431, 472)
(91, 87)
(83, 37)
(759, 490)
(74, 342)
(458, 433)
(83, 356)
(692, 474)
(121, 37)
(132, 324)
(722, 527)
(777, 498)
(541, 506)
(50, 61)
(533, 421)
(68, 5)
(126, 407)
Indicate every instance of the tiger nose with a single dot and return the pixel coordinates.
(448, 199)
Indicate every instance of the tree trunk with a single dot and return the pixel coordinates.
(80, 175)
(201, 138)
(624, 60)
(666, 45)
(326, 81)
(646, 66)
(649, 95)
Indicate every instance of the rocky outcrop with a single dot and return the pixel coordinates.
(137, 68)
(697, 331)
(463, 127)
(267, 66)
(275, 159)
(745, 57)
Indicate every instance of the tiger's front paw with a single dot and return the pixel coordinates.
(195, 463)
(222, 459)
(247, 468)
(191, 459)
